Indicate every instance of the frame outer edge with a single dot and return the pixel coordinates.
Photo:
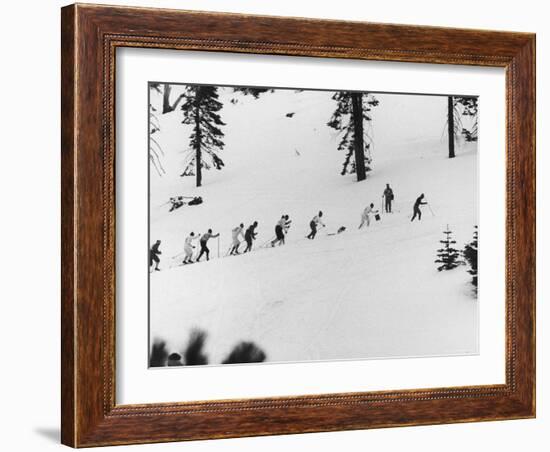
(526, 200)
(68, 230)
(86, 418)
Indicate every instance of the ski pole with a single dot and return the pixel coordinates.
(218, 246)
(430, 207)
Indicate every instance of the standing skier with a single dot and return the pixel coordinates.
(188, 248)
(204, 241)
(316, 220)
(235, 233)
(280, 227)
(365, 216)
(388, 198)
(416, 208)
(154, 255)
(250, 236)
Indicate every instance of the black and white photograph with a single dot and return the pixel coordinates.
(289, 224)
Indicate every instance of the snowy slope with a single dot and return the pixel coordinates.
(361, 294)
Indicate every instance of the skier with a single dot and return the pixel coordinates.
(416, 208)
(250, 236)
(388, 198)
(365, 216)
(203, 241)
(176, 203)
(286, 227)
(154, 255)
(280, 228)
(316, 220)
(188, 248)
(235, 233)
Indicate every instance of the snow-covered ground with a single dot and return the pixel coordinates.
(361, 294)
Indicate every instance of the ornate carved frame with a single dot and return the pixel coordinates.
(90, 36)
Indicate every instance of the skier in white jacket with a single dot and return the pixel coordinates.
(314, 223)
(188, 248)
(365, 216)
(235, 233)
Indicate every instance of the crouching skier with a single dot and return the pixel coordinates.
(250, 236)
(154, 255)
(188, 248)
(416, 208)
(365, 216)
(204, 241)
(314, 223)
(235, 233)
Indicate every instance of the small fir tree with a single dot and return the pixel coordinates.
(448, 256)
(470, 255)
(201, 111)
(352, 110)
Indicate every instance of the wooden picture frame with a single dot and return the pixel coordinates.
(90, 36)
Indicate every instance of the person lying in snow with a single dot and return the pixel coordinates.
(178, 201)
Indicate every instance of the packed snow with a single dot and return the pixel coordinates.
(369, 293)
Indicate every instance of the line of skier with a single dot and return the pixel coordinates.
(239, 234)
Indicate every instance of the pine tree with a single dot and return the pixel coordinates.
(470, 254)
(254, 92)
(352, 109)
(468, 107)
(448, 256)
(200, 110)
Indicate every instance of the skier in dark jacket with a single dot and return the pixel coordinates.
(416, 209)
(154, 255)
(250, 236)
(388, 198)
(203, 241)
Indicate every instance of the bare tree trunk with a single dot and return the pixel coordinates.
(166, 106)
(451, 126)
(359, 147)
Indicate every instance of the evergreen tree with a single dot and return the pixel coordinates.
(448, 256)
(468, 107)
(254, 92)
(470, 254)
(352, 109)
(200, 110)
(457, 107)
